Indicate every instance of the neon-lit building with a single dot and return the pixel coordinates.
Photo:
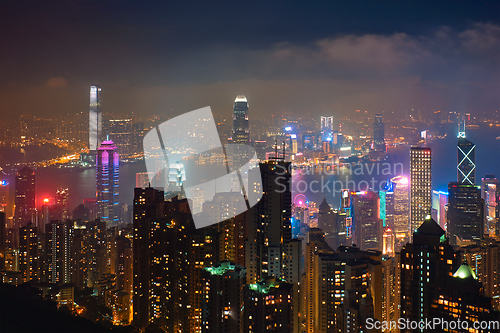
(466, 159)
(365, 212)
(439, 208)
(107, 181)
(326, 128)
(4, 195)
(401, 207)
(490, 193)
(241, 128)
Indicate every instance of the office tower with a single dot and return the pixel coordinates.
(58, 246)
(401, 208)
(162, 263)
(466, 167)
(2, 240)
(223, 303)
(389, 295)
(107, 176)
(386, 197)
(95, 118)
(425, 265)
(269, 307)
(440, 208)
(4, 195)
(461, 300)
(25, 197)
(366, 219)
(28, 252)
(490, 193)
(95, 252)
(326, 128)
(120, 132)
(293, 275)
(269, 227)
(241, 128)
(378, 133)
(465, 213)
(420, 186)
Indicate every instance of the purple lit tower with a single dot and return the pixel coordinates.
(107, 181)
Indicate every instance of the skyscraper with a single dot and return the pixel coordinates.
(401, 207)
(425, 265)
(107, 176)
(4, 195)
(28, 252)
(120, 132)
(58, 241)
(378, 133)
(466, 167)
(326, 128)
(490, 193)
(365, 212)
(25, 197)
(95, 117)
(420, 186)
(465, 213)
(241, 129)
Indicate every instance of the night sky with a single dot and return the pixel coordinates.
(320, 57)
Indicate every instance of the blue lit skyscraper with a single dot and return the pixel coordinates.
(95, 117)
(107, 181)
(466, 167)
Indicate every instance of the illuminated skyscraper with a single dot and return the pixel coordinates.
(107, 174)
(420, 186)
(2, 240)
(401, 207)
(241, 129)
(465, 213)
(365, 212)
(25, 197)
(378, 133)
(58, 241)
(490, 193)
(120, 132)
(95, 117)
(326, 128)
(466, 167)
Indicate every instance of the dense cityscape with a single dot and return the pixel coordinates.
(238, 220)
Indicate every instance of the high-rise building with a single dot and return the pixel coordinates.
(365, 212)
(137, 136)
(425, 264)
(326, 128)
(490, 193)
(120, 132)
(420, 186)
(142, 180)
(401, 208)
(465, 213)
(4, 195)
(269, 307)
(163, 265)
(378, 133)
(223, 303)
(58, 246)
(241, 128)
(466, 159)
(269, 227)
(107, 181)
(440, 208)
(28, 252)
(62, 195)
(25, 197)
(95, 118)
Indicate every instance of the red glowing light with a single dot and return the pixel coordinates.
(46, 200)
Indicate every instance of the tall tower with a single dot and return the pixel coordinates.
(241, 129)
(25, 196)
(378, 133)
(465, 213)
(107, 181)
(490, 188)
(420, 186)
(326, 128)
(4, 195)
(28, 252)
(95, 117)
(466, 157)
(401, 207)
